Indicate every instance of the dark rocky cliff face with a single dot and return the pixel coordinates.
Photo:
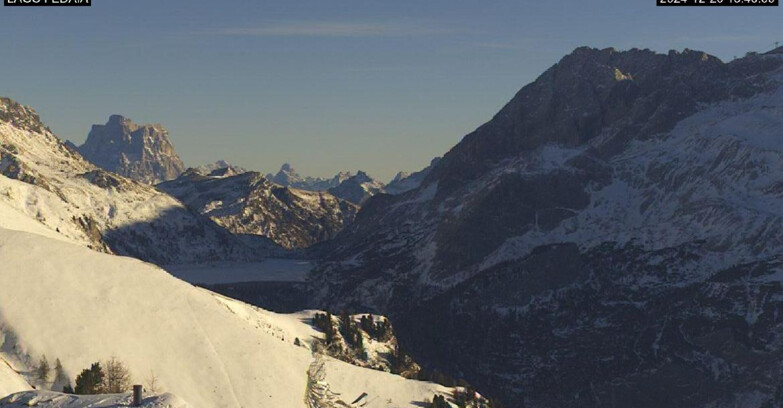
(141, 152)
(581, 248)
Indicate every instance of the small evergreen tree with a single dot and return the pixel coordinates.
(439, 401)
(67, 389)
(90, 381)
(328, 329)
(59, 373)
(42, 372)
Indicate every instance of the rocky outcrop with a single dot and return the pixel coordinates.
(140, 152)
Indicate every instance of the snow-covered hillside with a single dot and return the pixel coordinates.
(43, 178)
(10, 380)
(81, 306)
(46, 399)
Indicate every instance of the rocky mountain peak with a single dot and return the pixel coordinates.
(362, 177)
(620, 95)
(400, 176)
(358, 188)
(141, 152)
(20, 116)
(117, 119)
(219, 168)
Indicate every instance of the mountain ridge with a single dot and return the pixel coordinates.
(248, 204)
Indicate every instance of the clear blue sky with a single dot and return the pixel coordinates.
(327, 85)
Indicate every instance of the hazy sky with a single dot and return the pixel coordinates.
(327, 85)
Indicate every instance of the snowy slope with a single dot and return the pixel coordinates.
(10, 380)
(41, 177)
(81, 306)
(13, 219)
(47, 399)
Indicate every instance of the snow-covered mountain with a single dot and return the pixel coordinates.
(220, 167)
(248, 204)
(355, 188)
(288, 177)
(358, 188)
(403, 181)
(79, 306)
(610, 238)
(41, 177)
(140, 152)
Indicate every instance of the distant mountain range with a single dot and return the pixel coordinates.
(288, 177)
(355, 188)
(221, 165)
(248, 204)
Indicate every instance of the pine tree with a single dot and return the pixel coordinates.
(329, 329)
(42, 372)
(90, 381)
(439, 401)
(59, 373)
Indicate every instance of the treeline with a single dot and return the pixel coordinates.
(109, 377)
(352, 334)
(379, 330)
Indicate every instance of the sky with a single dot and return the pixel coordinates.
(327, 85)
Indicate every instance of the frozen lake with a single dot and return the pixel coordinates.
(269, 270)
